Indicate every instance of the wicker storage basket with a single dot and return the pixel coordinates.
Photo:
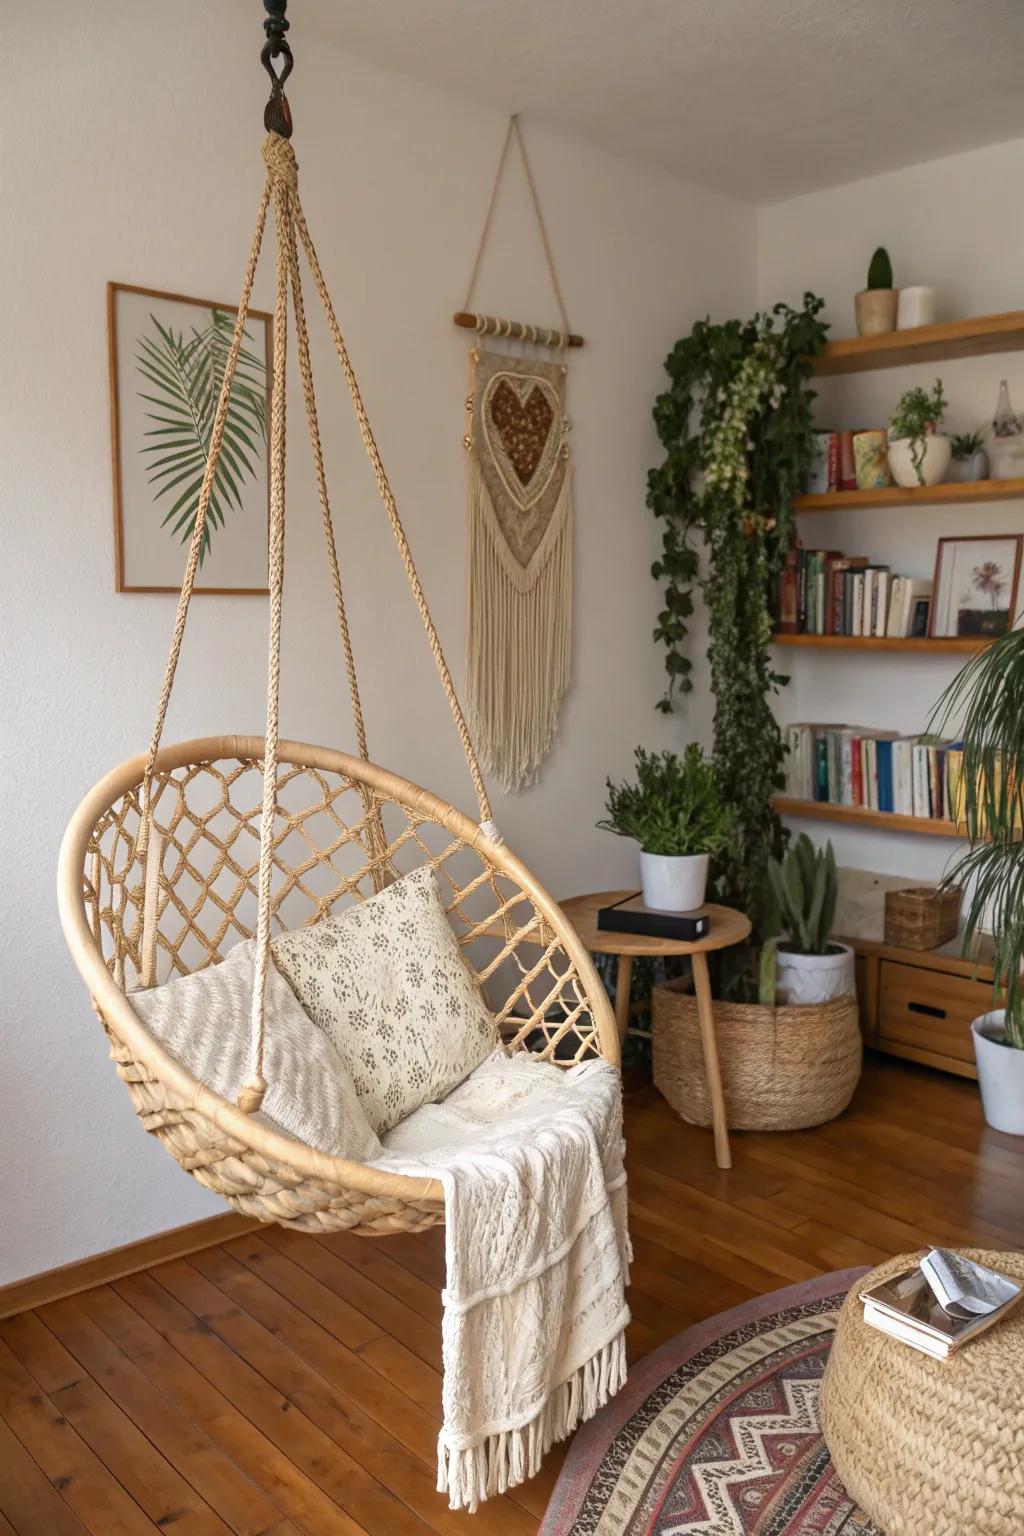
(782, 1068)
(922, 917)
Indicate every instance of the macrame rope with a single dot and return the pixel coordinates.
(374, 826)
(514, 131)
(283, 171)
(282, 186)
(387, 496)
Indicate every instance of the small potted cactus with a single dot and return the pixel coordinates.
(970, 461)
(875, 306)
(803, 964)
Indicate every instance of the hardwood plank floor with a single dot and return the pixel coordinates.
(280, 1384)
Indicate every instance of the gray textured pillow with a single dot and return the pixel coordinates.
(387, 983)
(203, 1021)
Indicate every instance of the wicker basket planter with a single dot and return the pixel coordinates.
(782, 1068)
(922, 917)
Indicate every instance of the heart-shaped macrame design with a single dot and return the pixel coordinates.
(523, 426)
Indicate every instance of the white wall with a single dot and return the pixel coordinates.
(132, 152)
(958, 224)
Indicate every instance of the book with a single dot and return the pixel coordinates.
(906, 1308)
(630, 915)
(839, 588)
(788, 622)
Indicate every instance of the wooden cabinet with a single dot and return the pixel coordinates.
(919, 1004)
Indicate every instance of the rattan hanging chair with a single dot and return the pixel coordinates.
(185, 850)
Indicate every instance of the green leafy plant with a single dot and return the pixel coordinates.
(804, 891)
(186, 373)
(988, 694)
(674, 807)
(880, 269)
(737, 426)
(917, 414)
(965, 445)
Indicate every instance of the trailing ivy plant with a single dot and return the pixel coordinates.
(738, 431)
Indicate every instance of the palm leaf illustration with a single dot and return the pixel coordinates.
(183, 375)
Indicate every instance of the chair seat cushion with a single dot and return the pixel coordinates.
(203, 1021)
(388, 984)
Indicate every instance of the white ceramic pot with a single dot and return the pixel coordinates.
(674, 884)
(1007, 455)
(937, 451)
(814, 978)
(966, 470)
(916, 307)
(1000, 1074)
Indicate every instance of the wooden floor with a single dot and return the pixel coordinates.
(283, 1384)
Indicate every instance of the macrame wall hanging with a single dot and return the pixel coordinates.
(519, 624)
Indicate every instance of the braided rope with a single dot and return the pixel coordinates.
(391, 507)
(281, 186)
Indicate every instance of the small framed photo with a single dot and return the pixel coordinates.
(167, 357)
(976, 585)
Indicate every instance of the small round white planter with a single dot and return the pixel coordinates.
(1000, 1074)
(814, 978)
(674, 883)
(937, 452)
(973, 468)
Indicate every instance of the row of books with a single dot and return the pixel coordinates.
(878, 770)
(824, 592)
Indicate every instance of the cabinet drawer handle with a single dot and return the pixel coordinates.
(932, 1012)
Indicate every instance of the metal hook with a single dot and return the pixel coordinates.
(272, 50)
(277, 117)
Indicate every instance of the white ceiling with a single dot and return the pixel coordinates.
(758, 98)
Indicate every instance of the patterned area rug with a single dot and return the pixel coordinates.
(716, 1433)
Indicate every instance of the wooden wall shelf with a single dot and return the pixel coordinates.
(978, 337)
(857, 816)
(946, 494)
(959, 643)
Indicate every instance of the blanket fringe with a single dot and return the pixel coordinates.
(504, 1460)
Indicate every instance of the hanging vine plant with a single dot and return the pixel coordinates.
(738, 432)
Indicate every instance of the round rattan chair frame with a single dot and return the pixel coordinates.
(557, 1002)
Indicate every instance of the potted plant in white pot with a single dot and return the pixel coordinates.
(918, 452)
(676, 812)
(875, 306)
(988, 694)
(969, 459)
(803, 964)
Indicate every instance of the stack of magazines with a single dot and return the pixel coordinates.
(941, 1304)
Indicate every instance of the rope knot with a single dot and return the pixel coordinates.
(279, 158)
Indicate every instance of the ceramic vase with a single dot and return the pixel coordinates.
(934, 463)
(875, 311)
(814, 978)
(674, 883)
(1000, 1074)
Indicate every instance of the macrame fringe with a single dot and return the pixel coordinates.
(505, 1460)
(519, 642)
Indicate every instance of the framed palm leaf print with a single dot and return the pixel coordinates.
(167, 357)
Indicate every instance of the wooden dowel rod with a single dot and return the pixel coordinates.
(490, 325)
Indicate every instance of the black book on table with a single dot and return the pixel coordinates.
(631, 916)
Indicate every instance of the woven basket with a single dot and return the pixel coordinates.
(922, 917)
(782, 1068)
(929, 1447)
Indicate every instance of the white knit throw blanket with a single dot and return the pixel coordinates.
(537, 1252)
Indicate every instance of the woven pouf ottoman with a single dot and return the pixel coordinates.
(929, 1447)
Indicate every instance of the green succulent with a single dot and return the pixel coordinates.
(804, 889)
(964, 445)
(675, 807)
(880, 269)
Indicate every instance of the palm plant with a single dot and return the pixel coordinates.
(186, 373)
(989, 693)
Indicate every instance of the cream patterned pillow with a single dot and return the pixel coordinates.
(203, 1020)
(388, 985)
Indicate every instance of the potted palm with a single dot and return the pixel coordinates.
(918, 452)
(988, 696)
(802, 962)
(676, 812)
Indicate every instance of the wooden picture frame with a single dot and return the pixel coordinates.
(952, 615)
(133, 574)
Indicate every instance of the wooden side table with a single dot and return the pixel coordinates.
(728, 927)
